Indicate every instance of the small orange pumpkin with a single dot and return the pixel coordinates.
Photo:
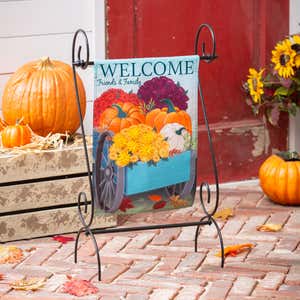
(120, 116)
(15, 135)
(157, 118)
(279, 177)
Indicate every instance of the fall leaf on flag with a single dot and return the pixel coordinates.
(63, 239)
(79, 287)
(10, 254)
(224, 213)
(126, 204)
(28, 284)
(269, 227)
(160, 204)
(235, 249)
(178, 202)
(154, 197)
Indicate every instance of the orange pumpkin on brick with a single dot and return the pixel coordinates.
(159, 117)
(279, 177)
(120, 116)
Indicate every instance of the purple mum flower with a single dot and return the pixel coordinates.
(158, 88)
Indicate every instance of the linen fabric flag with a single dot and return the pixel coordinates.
(145, 131)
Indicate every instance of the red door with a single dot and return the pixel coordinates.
(246, 32)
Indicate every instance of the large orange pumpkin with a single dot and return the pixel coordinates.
(279, 177)
(15, 135)
(157, 118)
(42, 94)
(120, 116)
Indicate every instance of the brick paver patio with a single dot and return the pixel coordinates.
(162, 264)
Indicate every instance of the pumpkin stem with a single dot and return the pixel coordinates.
(19, 121)
(179, 131)
(121, 113)
(170, 105)
(289, 156)
(44, 62)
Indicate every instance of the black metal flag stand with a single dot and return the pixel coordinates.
(78, 62)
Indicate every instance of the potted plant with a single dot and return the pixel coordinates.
(271, 91)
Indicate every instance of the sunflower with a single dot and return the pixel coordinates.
(283, 57)
(296, 47)
(255, 84)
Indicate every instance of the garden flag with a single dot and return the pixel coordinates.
(145, 133)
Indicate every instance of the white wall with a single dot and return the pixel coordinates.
(294, 128)
(30, 29)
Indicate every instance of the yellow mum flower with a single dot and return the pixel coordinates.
(132, 146)
(296, 39)
(120, 140)
(165, 145)
(255, 84)
(283, 57)
(164, 152)
(146, 153)
(113, 154)
(134, 158)
(138, 142)
(134, 132)
(156, 157)
(147, 138)
(123, 159)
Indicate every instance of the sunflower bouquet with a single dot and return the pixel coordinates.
(276, 89)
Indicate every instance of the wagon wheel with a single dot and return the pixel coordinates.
(109, 178)
(184, 188)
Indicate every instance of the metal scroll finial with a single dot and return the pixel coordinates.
(207, 57)
(80, 62)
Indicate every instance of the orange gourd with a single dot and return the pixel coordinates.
(120, 116)
(15, 135)
(157, 118)
(42, 94)
(279, 177)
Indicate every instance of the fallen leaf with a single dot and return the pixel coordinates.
(126, 204)
(30, 249)
(224, 213)
(28, 284)
(269, 227)
(79, 287)
(10, 254)
(1, 276)
(63, 239)
(154, 197)
(69, 277)
(159, 204)
(235, 249)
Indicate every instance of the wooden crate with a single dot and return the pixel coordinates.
(38, 193)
